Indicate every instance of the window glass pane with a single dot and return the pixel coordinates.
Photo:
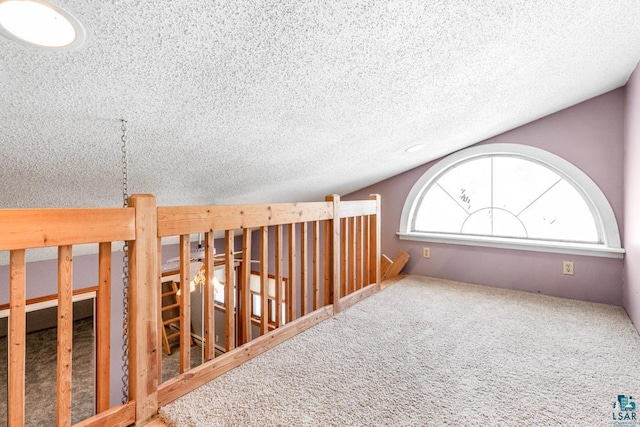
(438, 213)
(511, 192)
(469, 184)
(506, 224)
(518, 182)
(479, 223)
(255, 305)
(560, 214)
(494, 222)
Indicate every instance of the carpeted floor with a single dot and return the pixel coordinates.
(433, 352)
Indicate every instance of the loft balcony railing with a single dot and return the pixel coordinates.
(287, 267)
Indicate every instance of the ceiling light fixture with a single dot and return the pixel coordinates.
(41, 24)
(414, 148)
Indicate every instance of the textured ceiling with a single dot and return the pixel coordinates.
(253, 101)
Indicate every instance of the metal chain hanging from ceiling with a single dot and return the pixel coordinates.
(125, 271)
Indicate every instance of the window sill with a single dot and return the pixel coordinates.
(523, 245)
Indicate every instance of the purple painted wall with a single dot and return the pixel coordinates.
(631, 287)
(589, 135)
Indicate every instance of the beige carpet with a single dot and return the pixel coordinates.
(432, 352)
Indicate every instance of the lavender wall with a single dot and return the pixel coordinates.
(589, 135)
(631, 287)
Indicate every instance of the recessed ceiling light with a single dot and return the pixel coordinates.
(414, 148)
(39, 23)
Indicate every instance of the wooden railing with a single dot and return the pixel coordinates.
(300, 242)
(24, 229)
(327, 254)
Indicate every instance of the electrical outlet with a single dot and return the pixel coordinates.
(426, 253)
(567, 267)
(217, 338)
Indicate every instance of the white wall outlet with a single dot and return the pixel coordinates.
(217, 338)
(567, 267)
(426, 253)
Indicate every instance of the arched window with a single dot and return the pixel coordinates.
(511, 196)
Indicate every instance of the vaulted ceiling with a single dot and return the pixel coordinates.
(255, 101)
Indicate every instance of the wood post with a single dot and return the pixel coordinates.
(344, 265)
(264, 280)
(327, 263)
(374, 254)
(316, 264)
(244, 301)
(359, 252)
(103, 328)
(65, 335)
(291, 290)
(304, 272)
(278, 275)
(160, 331)
(209, 306)
(185, 303)
(335, 243)
(367, 250)
(351, 255)
(144, 290)
(229, 292)
(17, 337)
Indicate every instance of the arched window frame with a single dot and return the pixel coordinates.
(604, 217)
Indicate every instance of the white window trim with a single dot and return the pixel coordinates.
(595, 198)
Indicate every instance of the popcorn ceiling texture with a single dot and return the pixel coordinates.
(254, 101)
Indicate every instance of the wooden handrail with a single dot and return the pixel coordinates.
(39, 228)
(179, 220)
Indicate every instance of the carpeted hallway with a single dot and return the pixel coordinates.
(433, 352)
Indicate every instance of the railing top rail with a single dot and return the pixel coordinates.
(178, 220)
(39, 228)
